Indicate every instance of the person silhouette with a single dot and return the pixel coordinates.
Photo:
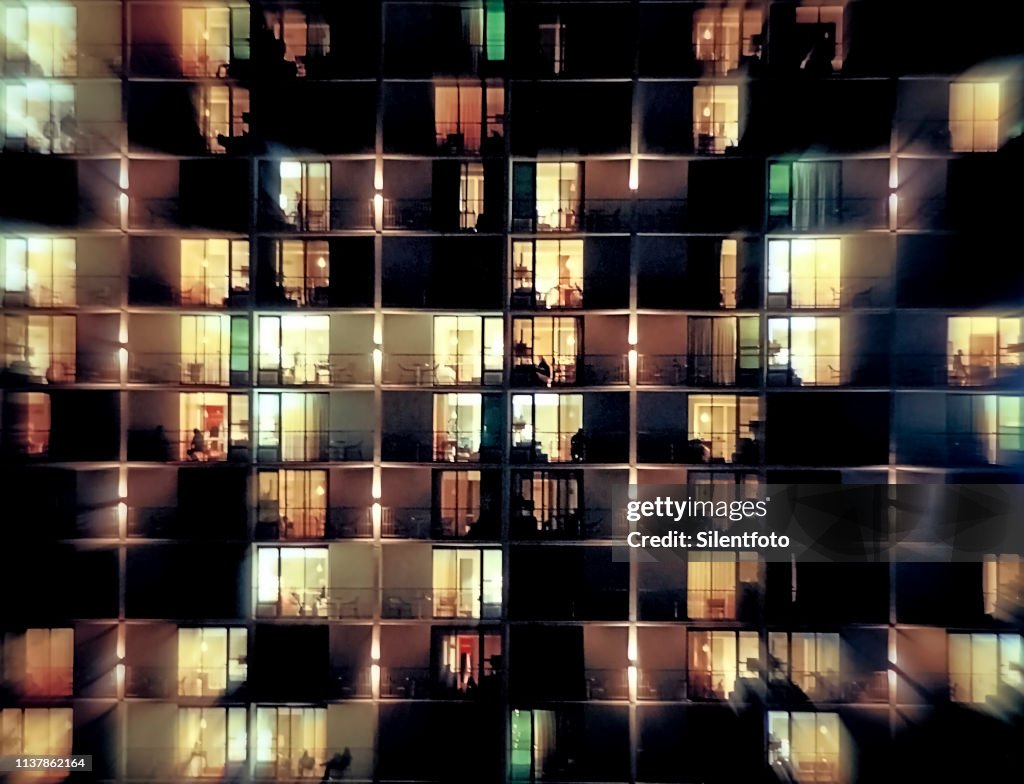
(338, 764)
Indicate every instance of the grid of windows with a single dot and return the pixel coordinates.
(331, 337)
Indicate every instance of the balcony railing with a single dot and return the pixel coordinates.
(33, 682)
(590, 446)
(59, 369)
(867, 687)
(426, 370)
(335, 602)
(318, 446)
(406, 522)
(705, 684)
(667, 685)
(432, 602)
(171, 212)
(817, 370)
(172, 368)
(416, 683)
(466, 138)
(605, 684)
(566, 295)
(566, 523)
(69, 136)
(697, 371)
(63, 291)
(813, 214)
(317, 215)
(423, 446)
(315, 369)
(170, 682)
(349, 683)
(180, 446)
(320, 523)
(581, 370)
(301, 763)
(207, 291)
(183, 60)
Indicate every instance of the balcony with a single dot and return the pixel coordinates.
(62, 291)
(70, 137)
(177, 446)
(335, 602)
(37, 683)
(317, 215)
(569, 371)
(320, 370)
(429, 602)
(831, 687)
(174, 212)
(422, 683)
(191, 292)
(464, 138)
(349, 683)
(819, 214)
(316, 446)
(426, 446)
(572, 525)
(335, 522)
(162, 368)
(668, 685)
(424, 370)
(152, 682)
(184, 61)
(287, 764)
(695, 371)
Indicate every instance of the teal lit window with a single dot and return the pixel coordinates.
(779, 188)
(495, 29)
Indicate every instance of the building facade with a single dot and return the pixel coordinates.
(332, 332)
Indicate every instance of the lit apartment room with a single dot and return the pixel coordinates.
(315, 196)
(441, 503)
(450, 350)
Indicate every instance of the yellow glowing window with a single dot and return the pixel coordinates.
(292, 426)
(980, 663)
(804, 273)
(1003, 585)
(543, 426)
(712, 580)
(304, 196)
(40, 39)
(718, 660)
(290, 741)
(459, 501)
(209, 739)
(974, 116)
(292, 581)
(36, 731)
(210, 660)
(205, 41)
(467, 583)
(39, 116)
(558, 195)
(39, 662)
(720, 422)
(804, 350)
(805, 743)
(715, 117)
(37, 271)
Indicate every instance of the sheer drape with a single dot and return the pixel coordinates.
(723, 368)
(816, 189)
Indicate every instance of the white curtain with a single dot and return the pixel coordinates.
(816, 189)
